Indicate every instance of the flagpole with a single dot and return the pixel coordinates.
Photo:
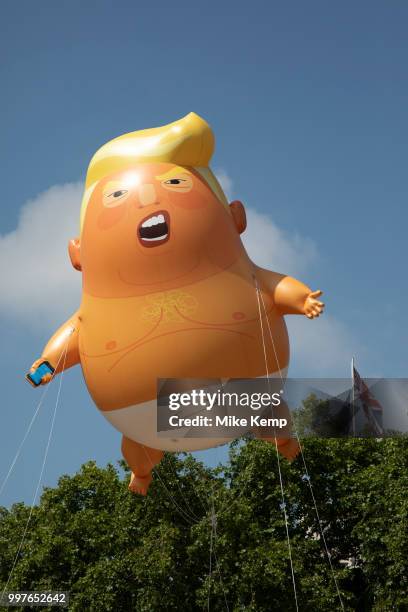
(352, 396)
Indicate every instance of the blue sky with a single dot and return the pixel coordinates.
(308, 104)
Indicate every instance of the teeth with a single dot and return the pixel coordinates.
(153, 221)
(153, 239)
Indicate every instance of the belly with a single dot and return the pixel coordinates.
(128, 376)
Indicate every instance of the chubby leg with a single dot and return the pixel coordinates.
(141, 460)
(287, 446)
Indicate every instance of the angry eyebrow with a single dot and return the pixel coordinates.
(176, 171)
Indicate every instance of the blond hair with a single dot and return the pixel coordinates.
(186, 142)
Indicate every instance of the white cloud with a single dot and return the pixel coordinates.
(225, 181)
(273, 248)
(267, 244)
(40, 287)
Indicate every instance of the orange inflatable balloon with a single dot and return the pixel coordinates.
(168, 288)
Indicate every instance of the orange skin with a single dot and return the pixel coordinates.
(152, 310)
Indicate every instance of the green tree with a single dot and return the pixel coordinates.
(116, 551)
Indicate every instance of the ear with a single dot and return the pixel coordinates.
(74, 250)
(238, 214)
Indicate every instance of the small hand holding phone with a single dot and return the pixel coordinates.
(35, 377)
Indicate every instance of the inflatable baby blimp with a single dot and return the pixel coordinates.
(168, 288)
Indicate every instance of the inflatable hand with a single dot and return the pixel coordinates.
(40, 373)
(313, 308)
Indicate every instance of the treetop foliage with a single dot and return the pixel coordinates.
(116, 551)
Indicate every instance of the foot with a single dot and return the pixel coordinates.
(290, 449)
(140, 484)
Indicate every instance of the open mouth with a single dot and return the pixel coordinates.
(154, 229)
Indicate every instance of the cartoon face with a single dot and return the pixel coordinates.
(153, 227)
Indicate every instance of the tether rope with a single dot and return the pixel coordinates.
(40, 403)
(283, 506)
(41, 472)
(306, 470)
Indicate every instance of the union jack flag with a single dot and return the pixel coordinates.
(372, 408)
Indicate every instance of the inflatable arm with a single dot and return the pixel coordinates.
(66, 337)
(290, 295)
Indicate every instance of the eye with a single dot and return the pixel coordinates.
(113, 197)
(180, 184)
(175, 181)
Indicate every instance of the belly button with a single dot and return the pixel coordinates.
(110, 345)
(238, 316)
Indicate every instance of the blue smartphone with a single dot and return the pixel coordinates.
(35, 377)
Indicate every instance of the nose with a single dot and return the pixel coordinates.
(147, 194)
